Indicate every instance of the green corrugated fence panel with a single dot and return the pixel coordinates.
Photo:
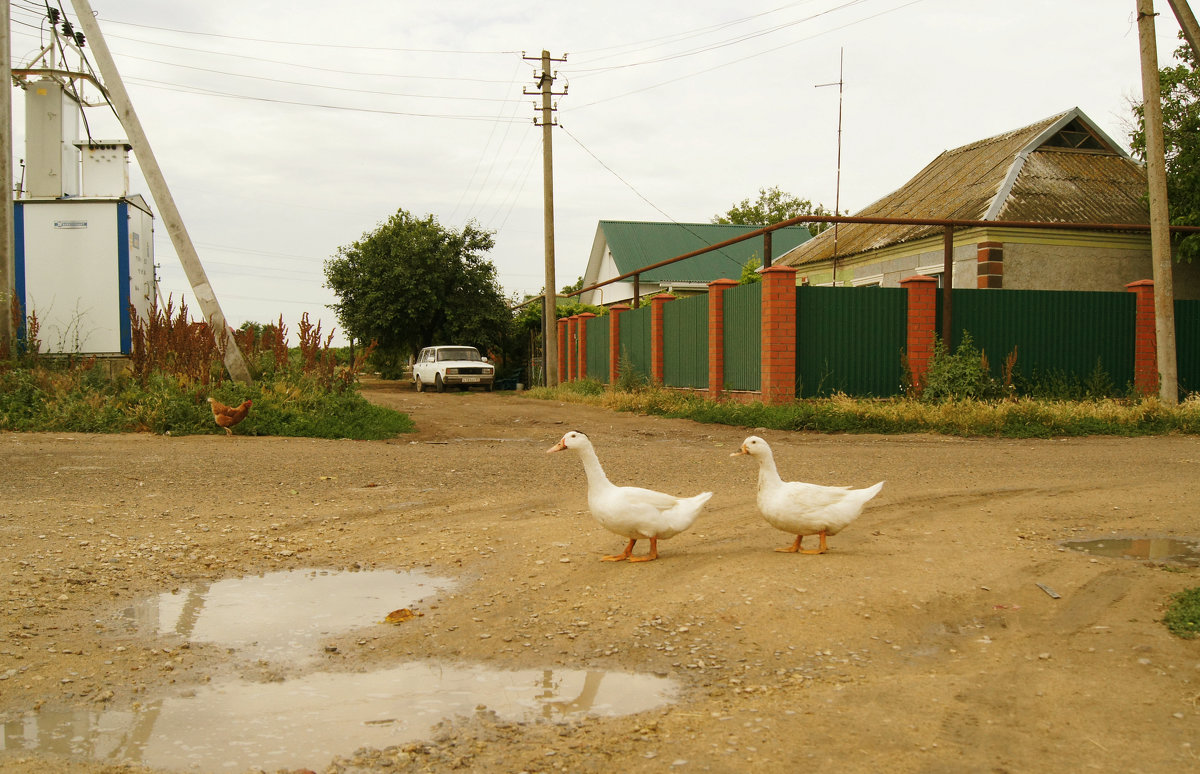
(1054, 332)
(685, 342)
(597, 348)
(1187, 345)
(850, 340)
(635, 339)
(743, 337)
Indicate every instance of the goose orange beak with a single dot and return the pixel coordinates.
(740, 452)
(556, 447)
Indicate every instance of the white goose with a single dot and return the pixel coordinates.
(800, 508)
(631, 511)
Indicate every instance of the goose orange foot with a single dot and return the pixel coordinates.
(795, 547)
(650, 556)
(620, 557)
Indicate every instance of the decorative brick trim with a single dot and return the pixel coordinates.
(1145, 339)
(716, 335)
(562, 349)
(990, 265)
(778, 374)
(614, 340)
(921, 326)
(584, 319)
(657, 305)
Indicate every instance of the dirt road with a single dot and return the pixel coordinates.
(921, 642)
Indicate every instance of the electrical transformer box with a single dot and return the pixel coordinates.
(81, 266)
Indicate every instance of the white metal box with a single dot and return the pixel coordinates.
(51, 131)
(105, 166)
(80, 265)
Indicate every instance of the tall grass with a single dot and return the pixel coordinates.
(176, 365)
(1017, 418)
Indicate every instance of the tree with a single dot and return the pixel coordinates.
(1181, 132)
(412, 283)
(773, 206)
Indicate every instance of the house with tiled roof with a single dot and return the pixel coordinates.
(623, 246)
(1063, 169)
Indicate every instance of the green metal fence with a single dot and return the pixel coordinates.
(1056, 334)
(743, 337)
(685, 342)
(850, 340)
(596, 366)
(1187, 345)
(635, 339)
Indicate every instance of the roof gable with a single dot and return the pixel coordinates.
(1063, 168)
(634, 244)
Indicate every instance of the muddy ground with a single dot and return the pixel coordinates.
(921, 642)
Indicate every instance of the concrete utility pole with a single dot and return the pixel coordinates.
(188, 256)
(1160, 233)
(550, 305)
(8, 266)
(1187, 22)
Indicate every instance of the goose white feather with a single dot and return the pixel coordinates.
(629, 511)
(801, 508)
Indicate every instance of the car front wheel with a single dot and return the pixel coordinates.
(437, 383)
(420, 385)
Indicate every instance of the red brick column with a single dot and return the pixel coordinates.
(990, 266)
(584, 319)
(657, 307)
(562, 349)
(778, 379)
(1145, 340)
(614, 340)
(572, 347)
(922, 325)
(716, 335)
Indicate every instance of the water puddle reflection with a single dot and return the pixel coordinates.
(1164, 550)
(282, 617)
(307, 721)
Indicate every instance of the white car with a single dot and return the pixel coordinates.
(452, 366)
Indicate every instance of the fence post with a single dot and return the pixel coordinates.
(778, 375)
(584, 319)
(572, 353)
(657, 305)
(716, 335)
(614, 340)
(562, 349)
(921, 325)
(1145, 341)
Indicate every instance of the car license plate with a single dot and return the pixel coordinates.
(470, 378)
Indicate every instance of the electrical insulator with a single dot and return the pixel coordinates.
(79, 39)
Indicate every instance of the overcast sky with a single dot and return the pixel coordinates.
(289, 129)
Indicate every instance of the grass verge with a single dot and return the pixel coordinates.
(1183, 615)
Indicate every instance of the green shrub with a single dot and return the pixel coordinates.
(963, 374)
(1183, 615)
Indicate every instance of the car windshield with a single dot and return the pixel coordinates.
(458, 353)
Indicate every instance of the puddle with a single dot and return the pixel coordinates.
(1165, 550)
(307, 721)
(282, 617)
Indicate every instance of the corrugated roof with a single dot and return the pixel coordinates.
(635, 244)
(1026, 174)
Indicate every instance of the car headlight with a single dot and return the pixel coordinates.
(452, 370)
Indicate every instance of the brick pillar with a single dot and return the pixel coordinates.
(990, 265)
(614, 340)
(1145, 340)
(658, 305)
(562, 349)
(584, 319)
(778, 380)
(716, 335)
(572, 354)
(922, 325)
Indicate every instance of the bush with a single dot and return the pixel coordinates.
(1183, 615)
(962, 375)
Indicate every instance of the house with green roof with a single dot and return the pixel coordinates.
(623, 246)
(1061, 169)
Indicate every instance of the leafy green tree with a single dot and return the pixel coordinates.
(750, 273)
(773, 206)
(413, 283)
(1181, 132)
(576, 285)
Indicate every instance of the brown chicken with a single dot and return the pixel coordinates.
(228, 416)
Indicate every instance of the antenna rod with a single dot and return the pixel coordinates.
(837, 190)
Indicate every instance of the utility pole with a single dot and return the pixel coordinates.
(1160, 227)
(1187, 22)
(8, 265)
(837, 189)
(545, 81)
(205, 296)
